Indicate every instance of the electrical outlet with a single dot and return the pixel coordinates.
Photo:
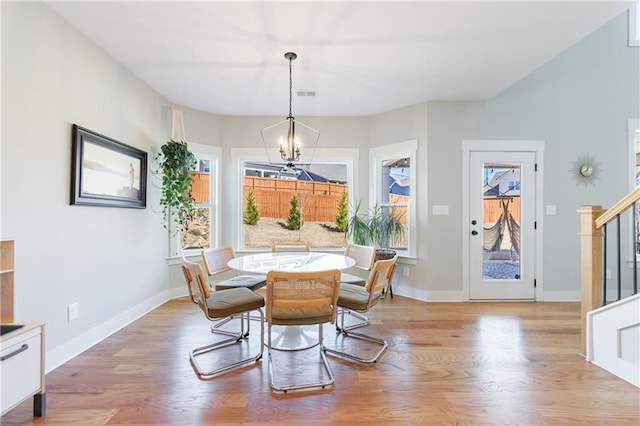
(72, 312)
(405, 271)
(608, 274)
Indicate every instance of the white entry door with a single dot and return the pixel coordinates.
(502, 196)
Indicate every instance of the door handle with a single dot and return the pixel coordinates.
(474, 232)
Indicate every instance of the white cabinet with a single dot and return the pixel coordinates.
(22, 368)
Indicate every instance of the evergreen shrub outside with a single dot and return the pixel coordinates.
(252, 213)
(294, 221)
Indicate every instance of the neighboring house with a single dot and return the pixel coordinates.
(504, 183)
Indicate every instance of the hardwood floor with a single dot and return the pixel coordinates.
(447, 363)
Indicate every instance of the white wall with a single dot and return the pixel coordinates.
(578, 103)
(111, 261)
(401, 125)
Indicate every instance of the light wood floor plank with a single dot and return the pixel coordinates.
(447, 363)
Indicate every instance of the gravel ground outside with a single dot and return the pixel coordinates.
(269, 230)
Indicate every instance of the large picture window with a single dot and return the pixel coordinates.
(301, 204)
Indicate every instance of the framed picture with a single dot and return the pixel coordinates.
(106, 172)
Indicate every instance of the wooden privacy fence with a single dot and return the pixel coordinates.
(200, 187)
(317, 200)
(493, 209)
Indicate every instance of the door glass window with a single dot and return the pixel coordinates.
(501, 222)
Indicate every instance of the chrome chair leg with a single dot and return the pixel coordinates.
(235, 338)
(345, 331)
(364, 320)
(325, 362)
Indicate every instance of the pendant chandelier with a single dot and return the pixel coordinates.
(290, 135)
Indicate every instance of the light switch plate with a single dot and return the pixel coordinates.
(440, 210)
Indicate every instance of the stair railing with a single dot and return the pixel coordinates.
(593, 253)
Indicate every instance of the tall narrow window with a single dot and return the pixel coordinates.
(393, 171)
(201, 230)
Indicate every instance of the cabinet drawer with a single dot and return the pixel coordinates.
(21, 373)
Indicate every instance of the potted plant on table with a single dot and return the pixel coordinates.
(379, 228)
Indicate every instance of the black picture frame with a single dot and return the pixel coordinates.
(106, 172)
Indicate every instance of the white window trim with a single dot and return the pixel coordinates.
(634, 25)
(397, 150)
(258, 154)
(213, 154)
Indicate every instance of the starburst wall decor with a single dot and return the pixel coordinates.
(585, 170)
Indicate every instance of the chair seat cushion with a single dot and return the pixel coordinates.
(352, 279)
(301, 316)
(252, 282)
(224, 303)
(355, 297)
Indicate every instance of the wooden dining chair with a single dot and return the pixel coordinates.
(364, 257)
(361, 299)
(297, 246)
(221, 304)
(216, 261)
(296, 299)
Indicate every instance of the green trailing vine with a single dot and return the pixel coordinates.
(176, 163)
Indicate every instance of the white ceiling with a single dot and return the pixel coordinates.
(361, 58)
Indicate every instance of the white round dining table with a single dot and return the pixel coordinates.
(291, 338)
(262, 263)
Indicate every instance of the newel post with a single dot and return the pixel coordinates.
(591, 264)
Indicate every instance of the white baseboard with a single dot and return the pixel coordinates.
(63, 353)
(446, 296)
(410, 292)
(561, 296)
(460, 296)
(429, 295)
(177, 292)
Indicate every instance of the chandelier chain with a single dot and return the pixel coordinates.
(290, 86)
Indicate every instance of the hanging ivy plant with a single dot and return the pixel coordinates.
(176, 163)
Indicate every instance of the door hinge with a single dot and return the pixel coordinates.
(535, 283)
(535, 225)
(535, 167)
